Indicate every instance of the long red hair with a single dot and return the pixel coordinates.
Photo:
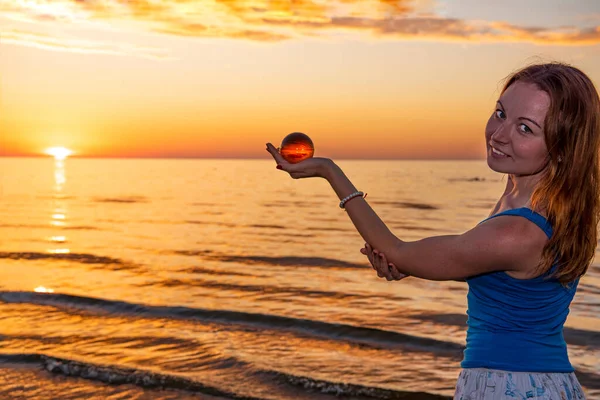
(569, 190)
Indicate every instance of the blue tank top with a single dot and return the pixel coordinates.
(517, 324)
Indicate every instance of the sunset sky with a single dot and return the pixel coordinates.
(184, 78)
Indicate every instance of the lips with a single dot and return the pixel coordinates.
(498, 153)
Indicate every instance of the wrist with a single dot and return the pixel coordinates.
(328, 170)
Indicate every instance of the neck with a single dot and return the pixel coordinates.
(519, 189)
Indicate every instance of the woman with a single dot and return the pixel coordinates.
(524, 261)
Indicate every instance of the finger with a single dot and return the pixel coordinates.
(397, 275)
(375, 263)
(375, 258)
(376, 268)
(385, 267)
(382, 270)
(276, 155)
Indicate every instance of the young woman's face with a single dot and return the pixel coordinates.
(515, 132)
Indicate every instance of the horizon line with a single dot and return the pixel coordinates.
(239, 158)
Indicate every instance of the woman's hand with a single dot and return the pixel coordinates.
(379, 262)
(311, 167)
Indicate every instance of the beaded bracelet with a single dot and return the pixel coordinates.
(353, 195)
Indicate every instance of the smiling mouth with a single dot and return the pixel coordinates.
(498, 152)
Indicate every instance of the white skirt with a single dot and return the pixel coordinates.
(493, 384)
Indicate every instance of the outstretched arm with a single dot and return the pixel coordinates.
(507, 243)
(499, 244)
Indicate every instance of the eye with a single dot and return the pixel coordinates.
(499, 114)
(525, 129)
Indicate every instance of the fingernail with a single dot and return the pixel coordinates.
(278, 167)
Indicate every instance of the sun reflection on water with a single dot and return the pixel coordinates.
(59, 251)
(41, 289)
(58, 217)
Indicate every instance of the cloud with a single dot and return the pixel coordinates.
(48, 42)
(447, 29)
(277, 20)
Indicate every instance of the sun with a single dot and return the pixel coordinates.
(59, 153)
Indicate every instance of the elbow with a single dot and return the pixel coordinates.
(399, 256)
(421, 265)
(409, 260)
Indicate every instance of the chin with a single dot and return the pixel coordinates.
(498, 166)
(495, 167)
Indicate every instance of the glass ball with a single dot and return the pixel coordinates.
(296, 147)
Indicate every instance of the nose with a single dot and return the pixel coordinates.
(500, 135)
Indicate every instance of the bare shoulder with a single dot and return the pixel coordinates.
(511, 227)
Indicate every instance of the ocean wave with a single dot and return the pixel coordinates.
(325, 219)
(349, 390)
(264, 226)
(115, 375)
(328, 229)
(373, 337)
(206, 271)
(226, 224)
(60, 196)
(41, 226)
(406, 204)
(269, 289)
(294, 204)
(411, 227)
(587, 288)
(291, 261)
(80, 228)
(293, 236)
(474, 179)
(127, 199)
(77, 257)
(94, 261)
(267, 226)
(30, 226)
(188, 351)
(208, 204)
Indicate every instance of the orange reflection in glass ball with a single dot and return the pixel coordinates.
(296, 147)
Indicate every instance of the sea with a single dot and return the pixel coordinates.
(228, 279)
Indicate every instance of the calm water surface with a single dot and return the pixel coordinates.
(182, 279)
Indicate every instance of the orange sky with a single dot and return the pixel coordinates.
(364, 79)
